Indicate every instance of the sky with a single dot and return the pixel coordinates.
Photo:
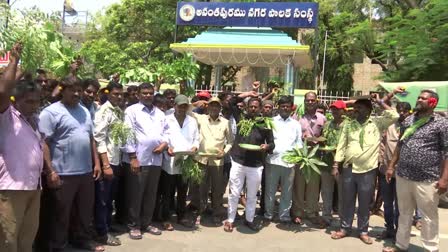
(56, 5)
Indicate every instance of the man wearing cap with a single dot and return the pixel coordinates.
(201, 104)
(268, 108)
(331, 131)
(358, 147)
(183, 136)
(215, 140)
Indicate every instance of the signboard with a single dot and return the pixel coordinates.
(298, 15)
(4, 59)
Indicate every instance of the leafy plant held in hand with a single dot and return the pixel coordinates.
(246, 125)
(121, 133)
(190, 169)
(305, 159)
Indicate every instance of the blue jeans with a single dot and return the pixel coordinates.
(104, 195)
(391, 212)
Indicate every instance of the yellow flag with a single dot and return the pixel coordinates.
(68, 7)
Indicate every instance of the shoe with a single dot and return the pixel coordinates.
(319, 222)
(109, 240)
(217, 220)
(387, 234)
(186, 223)
(252, 225)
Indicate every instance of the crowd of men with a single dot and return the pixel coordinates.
(63, 172)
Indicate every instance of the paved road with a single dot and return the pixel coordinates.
(275, 237)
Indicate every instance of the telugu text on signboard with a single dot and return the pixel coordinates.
(303, 15)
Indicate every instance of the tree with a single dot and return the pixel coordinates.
(43, 45)
(405, 37)
(133, 39)
(415, 42)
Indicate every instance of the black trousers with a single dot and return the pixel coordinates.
(168, 184)
(121, 215)
(141, 193)
(76, 194)
(361, 187)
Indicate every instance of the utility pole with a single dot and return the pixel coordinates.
(323, 63)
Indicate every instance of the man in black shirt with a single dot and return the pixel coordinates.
(247, 165)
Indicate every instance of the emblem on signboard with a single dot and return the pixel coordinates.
(187, 12)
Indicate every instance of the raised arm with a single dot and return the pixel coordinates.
(7, 81)
(389, 96)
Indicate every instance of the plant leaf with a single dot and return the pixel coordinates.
(318, 162)
(315, 168)
(313, 152)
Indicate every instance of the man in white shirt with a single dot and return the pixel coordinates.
(106, 117)
(287, 134)
(145, 160)
(183, 136)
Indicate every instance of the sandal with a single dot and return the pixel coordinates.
(153, 230)
(168, 226)
(89, 246)
(197, 222)
(228, 226)
(418, 225)
(393, 249)
(366, 239)
(338, 235)
(297, 220)
(135, 234)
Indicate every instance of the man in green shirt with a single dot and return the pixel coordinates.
(332, 131)
(358, 147)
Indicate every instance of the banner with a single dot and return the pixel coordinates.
(4, 59)
(298, 15)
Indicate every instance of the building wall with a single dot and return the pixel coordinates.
(365, 76)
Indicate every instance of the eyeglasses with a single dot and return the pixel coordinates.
(41, 80)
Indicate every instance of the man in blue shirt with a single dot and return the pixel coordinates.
(68, 130)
